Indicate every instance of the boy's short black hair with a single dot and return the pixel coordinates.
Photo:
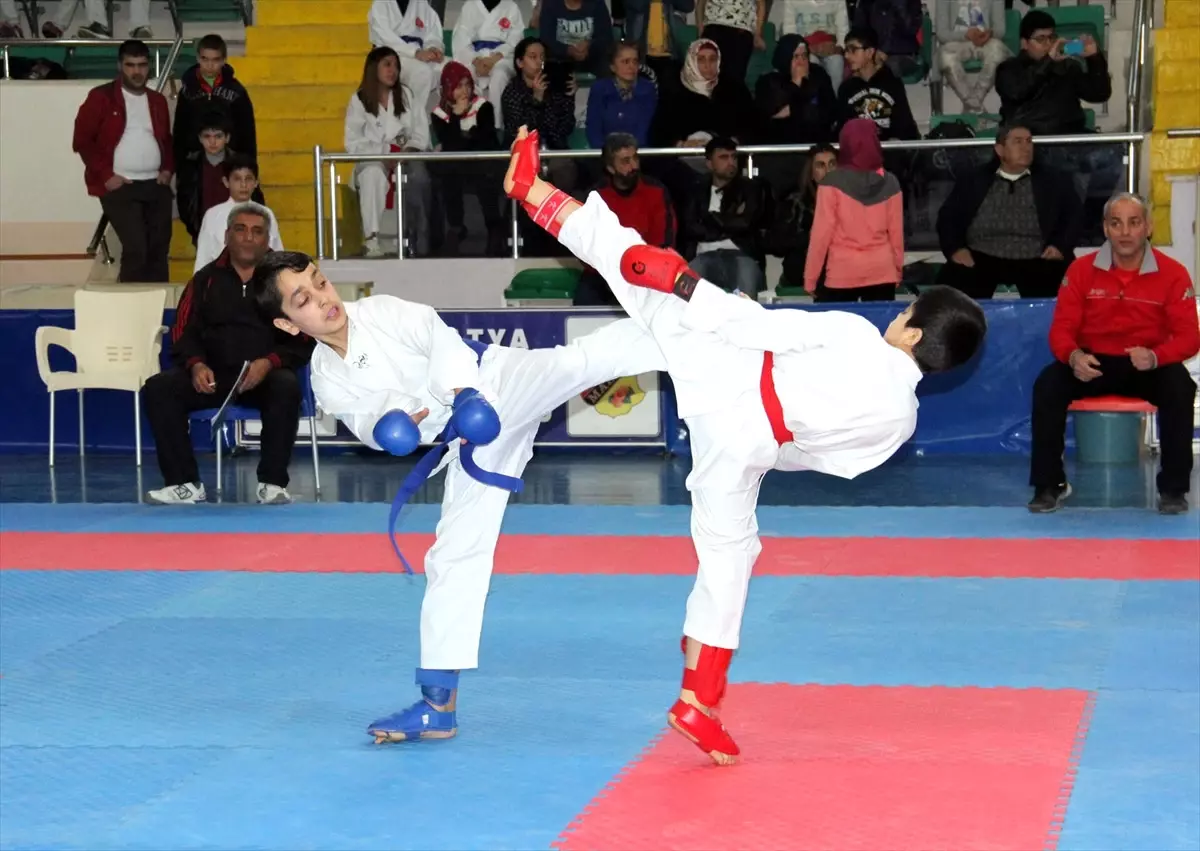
(865, 36)
(237, 162)
(214, 119)
(719, 143)
(1034, 20)
(265, 283)
(952, 325)
(212, 41)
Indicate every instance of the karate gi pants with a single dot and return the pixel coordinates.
(528, 384)
(717, 385)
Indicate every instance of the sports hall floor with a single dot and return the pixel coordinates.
(924, 666)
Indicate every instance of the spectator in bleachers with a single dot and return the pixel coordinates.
(464, 121)
(210, 86)
(1015, 222)
(123, 135)
(200, 176)
(873, 90)
(485, 40)
(217, 328)
(412, 28)
(10, 20)
(622, 103)
(638, 201)
(736, 28)
(241, 179)
(531, 101)
(97, 15)
(824, 25)
(1124, 324)
(578, 32)
(857, 239)
(724, 220)
(897, 28)
(791, 225)
(707, 106)
(648, 23)
(970, 30)
(796, 99)
(1041, 87)
(382, 118)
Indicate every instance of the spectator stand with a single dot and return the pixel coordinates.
(92, 59)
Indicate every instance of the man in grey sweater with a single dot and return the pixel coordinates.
(966, 31)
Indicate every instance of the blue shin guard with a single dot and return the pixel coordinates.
(421, 720)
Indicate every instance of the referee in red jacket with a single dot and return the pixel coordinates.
(1124, 323)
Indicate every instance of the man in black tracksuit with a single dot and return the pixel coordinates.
(210, 86)
(218, 328)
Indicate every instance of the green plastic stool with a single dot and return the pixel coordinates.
(1108, 429)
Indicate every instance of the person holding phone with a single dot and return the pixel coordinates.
(1041, 88)
(533, 100)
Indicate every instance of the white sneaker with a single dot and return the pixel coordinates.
(272, 495)
(371, 248)
(188, 494)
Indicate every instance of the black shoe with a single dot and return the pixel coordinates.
(1050, 499)
(1172, 503)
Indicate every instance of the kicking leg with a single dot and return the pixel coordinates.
(458, 572)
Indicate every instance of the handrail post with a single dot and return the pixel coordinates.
(335, 248)
(319, 187)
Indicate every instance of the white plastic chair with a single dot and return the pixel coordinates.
(116, 343)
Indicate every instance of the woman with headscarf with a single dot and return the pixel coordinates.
(464, 121)
(706, 106)
(858, 231)
(796, 100)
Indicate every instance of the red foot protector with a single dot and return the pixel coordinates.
(843, 767)
(602, 555)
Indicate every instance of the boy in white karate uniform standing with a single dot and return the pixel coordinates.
(383, 365)
(759, 390)
(413, 29)
(485, 37)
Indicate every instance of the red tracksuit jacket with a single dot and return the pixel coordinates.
(99, 126)
(1098, 313)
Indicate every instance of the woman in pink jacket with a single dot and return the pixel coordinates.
(858, 231)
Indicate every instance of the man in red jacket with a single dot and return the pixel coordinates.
(640, 202)
(1124, 323)
(123, 136)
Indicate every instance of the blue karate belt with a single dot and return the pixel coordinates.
(429, 463)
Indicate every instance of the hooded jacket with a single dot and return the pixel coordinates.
(226, 95)
(812, 106)
(858, 231)
(881, 99)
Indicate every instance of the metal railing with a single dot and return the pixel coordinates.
(1183, 133)
(325, 167)
(1136, 87)
(99, 241)
(156, 45)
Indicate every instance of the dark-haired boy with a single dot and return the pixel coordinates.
(241, 180)
(207, 86)
(759, 390)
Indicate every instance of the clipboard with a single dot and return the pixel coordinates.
(219, 417)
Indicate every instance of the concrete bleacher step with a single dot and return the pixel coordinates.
(323, 39)
(301, 103)
(300, 70)
(289, 12)
(293, 136)
(285, 169)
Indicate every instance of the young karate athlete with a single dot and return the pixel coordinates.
(397, 376)
(759, 390)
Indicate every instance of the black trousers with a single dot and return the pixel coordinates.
(140, 213)
(169, 397)
(1035, 278)
(1170, 388)
(875, 292)
(736, 46)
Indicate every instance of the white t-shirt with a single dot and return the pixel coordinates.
(137, 156)
(740, 14)
(805, 17)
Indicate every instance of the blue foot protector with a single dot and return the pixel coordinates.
(421, 720)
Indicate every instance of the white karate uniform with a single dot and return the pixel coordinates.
(418, 28)
(401, 355)
(211, 241)
(479, 32)
(375, 134)
(848, 397)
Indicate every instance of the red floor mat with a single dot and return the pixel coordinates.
(579, 554)
(845, 768)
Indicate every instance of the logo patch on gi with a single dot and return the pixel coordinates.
(615, 398)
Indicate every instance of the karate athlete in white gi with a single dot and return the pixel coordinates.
(413, 29)
(759, 390)
(485, 36)
(389, 369)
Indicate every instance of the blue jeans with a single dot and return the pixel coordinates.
(731, 270)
